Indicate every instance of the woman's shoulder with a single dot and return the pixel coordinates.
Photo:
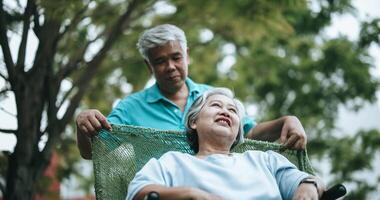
(170, 155)
(261, 154)
(255, 153)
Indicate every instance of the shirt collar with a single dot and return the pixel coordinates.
(154, 94)
(193, 88)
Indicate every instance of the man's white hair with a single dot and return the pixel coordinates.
(159, 36)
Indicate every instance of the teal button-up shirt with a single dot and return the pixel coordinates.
(149, 108)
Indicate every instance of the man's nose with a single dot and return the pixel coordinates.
(171, 65)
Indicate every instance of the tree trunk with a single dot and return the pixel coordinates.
(19, 180)
(26, 162)
(36, 92)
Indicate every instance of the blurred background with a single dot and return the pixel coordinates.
(316, 59)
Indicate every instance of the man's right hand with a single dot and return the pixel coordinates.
(89, 122)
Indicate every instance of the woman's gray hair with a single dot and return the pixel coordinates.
(196, 108)
(159, 36)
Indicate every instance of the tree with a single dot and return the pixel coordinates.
(63, 41)
(279, 65)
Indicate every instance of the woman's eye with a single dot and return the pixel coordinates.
(233, 110)
(215, 104)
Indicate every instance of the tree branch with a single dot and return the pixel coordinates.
(5, 46)
(2, 188)
(74, 103)
(76, 19)
(3, 76)
(73, 63)
(91, 69)
(36, 21)
(117, 29)
(66, 96)
(84, 80)
(4, 90)
(114, 33)
(18, 3)
(8, 131)
(46, 50)
(24, 36)
(9, 113)
(93, 65)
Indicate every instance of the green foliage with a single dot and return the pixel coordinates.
(357, 152)
(370, 32)
(282, 64)
(362, 191)
(61, 10)
(351, 159)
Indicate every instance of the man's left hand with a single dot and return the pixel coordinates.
(293, 134)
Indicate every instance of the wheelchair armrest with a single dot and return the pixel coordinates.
(334, 192)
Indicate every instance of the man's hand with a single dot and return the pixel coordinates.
(89, 122)
(293, 134)
(288, 129)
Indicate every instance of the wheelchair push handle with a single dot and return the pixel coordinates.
(152, 196)
(334, 192)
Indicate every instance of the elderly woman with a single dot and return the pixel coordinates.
(214, 126)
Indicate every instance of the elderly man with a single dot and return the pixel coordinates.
(165, 104)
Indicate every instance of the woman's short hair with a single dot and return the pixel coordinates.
(159, 36)
(197, 106)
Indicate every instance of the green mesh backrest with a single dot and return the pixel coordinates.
(119, 154)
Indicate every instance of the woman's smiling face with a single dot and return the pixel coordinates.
(218, 117)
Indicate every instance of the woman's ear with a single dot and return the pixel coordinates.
(193, 125)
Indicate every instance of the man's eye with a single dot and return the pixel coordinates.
(176, 58)
(157, 62)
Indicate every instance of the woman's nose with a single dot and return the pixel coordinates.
(225, 112)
